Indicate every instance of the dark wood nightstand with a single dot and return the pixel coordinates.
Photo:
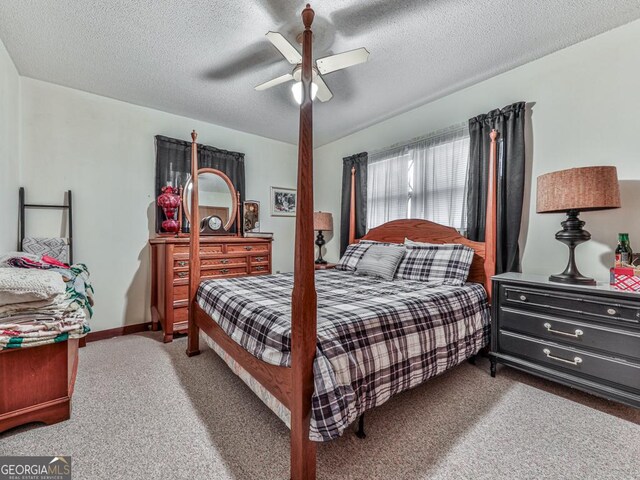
(586, 337)
(325, 266)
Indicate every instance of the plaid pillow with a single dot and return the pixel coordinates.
(352, 256)
(440, 264)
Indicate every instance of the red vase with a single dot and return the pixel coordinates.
(169, 201)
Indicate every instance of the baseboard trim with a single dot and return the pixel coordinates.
(117, 332)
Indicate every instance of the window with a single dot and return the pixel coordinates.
(424, 179)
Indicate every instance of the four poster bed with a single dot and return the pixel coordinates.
(322, 349)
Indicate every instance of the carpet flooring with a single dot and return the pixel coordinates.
(143, 410)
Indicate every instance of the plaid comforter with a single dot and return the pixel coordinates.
(375, 338)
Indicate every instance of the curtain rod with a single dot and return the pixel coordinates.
(438, 133)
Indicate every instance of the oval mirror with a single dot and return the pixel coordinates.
(216, 196)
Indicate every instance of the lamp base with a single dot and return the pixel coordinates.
(572, 279)
(572, 235)
(320, 242)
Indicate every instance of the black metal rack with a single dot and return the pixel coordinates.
(68, 206)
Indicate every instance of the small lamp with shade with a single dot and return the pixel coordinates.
(573, 191)
(322, 222)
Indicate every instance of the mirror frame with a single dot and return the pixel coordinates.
(234, 198)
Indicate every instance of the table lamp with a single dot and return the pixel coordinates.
(322, 222)
(573, 191)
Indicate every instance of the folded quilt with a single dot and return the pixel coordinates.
(47, 320)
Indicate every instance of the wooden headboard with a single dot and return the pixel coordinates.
(424, 231)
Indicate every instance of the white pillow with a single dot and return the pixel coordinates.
(21, 285)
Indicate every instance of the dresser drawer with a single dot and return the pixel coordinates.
(578, 362)
(587, 306)
(263, 269)
(204, 249)
(223, 262)
(610, 341)
(180, 293)
(223, 272)
(247, 247)
(260, 258)
(180, 318)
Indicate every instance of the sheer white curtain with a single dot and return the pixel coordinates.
(387, 186)
(425, 179)
(439, 178)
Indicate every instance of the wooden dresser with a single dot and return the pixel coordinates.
(220, 257)
(582, 336)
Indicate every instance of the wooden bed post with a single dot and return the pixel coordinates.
(304, 301)
(193, 342)
(491, 215)
(352, 208)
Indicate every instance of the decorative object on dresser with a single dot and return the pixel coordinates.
(283, 202)
(322, 222)
(169, 201)
(251, 215)
(220, 257)
(218, 202)
(573, 191)
(586, 337)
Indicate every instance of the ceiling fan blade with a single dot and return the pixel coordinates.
(276, 81)
(323, 94)
(287, 50)
(342, 60)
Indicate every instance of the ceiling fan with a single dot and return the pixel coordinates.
(323, 66)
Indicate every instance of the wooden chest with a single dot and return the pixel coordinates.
(582, 336)
(220, 257)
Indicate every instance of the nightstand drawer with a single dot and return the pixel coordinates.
(582, 335)
(578, 362)
(587, 306)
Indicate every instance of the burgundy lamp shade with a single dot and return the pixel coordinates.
(322, 221)
(582, 189)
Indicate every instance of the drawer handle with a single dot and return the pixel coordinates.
(576, 334)
(183, 274)
(224, 261)
(575, 361)
(612, 311)
(259, 268)
(259, 259)
(224, 270)
(182, 263)
(248, 248)
(523, 298)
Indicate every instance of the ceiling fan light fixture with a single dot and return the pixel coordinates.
(296, 89)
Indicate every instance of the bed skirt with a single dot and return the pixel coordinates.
(263, 394)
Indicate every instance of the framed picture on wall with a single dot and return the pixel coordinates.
(283, 202)
(251, 216)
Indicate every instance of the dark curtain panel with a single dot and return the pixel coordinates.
(511, 168)
(360, 162)
(173, 165)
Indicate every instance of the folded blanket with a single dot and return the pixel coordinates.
(19, 285)
(48, 320)
(57, 248)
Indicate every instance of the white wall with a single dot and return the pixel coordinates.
(9, 151)
(103, 150)
(586, 100)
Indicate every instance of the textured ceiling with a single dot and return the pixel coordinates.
(202, 58)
